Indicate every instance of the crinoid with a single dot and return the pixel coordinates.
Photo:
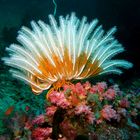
(53, 54)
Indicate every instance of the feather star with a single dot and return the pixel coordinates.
(74, 49)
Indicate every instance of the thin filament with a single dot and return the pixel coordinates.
(55, 7)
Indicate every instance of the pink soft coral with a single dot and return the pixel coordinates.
(78, 106)
(51, 110)
(93, 89)
(98, 88)
(86, 111)
(59, 99)
(87, 85)
(110, 94)
(39, 119)
(90, 118)
(82, 109)
(41, 133)
(101, 86)
(124, 103)
(79, 89)
(108, 113)
(68, 130)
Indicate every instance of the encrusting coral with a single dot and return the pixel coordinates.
(54, 54)
(84, 109)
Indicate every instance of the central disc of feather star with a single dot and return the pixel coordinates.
(74, 49)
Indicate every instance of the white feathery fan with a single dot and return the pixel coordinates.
(74, 49)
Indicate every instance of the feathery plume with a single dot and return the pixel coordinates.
(55, 53)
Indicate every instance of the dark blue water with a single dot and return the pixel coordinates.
(125, 14)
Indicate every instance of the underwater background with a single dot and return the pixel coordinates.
(125, 15)
(17, 102)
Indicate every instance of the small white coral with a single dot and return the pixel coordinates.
(73, 49)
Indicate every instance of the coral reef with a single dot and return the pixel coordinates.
(57, 56)
(83, 109)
